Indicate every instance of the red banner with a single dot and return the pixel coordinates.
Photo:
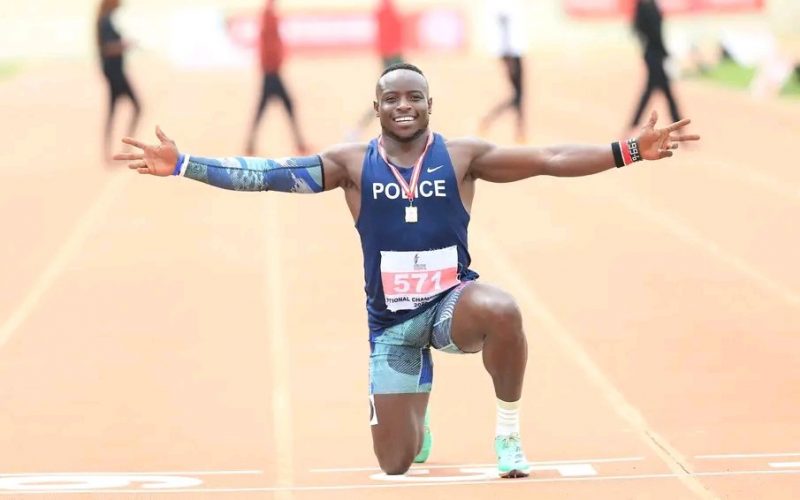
(333, 31)
(617, 8)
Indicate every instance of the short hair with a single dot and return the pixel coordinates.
(403, 65)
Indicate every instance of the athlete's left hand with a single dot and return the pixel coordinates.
(658, 143)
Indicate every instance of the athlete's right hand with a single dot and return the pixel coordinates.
(159, 159)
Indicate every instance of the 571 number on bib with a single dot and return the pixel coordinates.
(411, 279)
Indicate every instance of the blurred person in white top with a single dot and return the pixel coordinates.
(509, 42)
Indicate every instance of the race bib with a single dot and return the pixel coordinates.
(411, 279)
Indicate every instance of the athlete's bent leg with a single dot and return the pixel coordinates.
(488, 319)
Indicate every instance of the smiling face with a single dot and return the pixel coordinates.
(403, 104)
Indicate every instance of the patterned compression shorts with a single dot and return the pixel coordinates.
(400, 356)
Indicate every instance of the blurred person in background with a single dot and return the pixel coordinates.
(647, 23)
(112, 48)
(510, 47)
(774, 68)
(389, 44)
(389, 40)
(271, 55)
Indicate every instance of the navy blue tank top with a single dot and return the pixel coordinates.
(409, 266)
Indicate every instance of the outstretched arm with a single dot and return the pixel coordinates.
(507, 164)
(295, 175)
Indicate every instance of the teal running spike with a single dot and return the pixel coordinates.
(511, 461)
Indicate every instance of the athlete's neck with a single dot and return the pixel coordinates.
(405, 152)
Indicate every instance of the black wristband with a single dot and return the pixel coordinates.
(617, 154)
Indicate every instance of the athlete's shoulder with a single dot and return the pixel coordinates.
(467, 146)
(345, 153)
(465, 141)
(342, 164)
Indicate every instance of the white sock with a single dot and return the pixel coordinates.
(507, 418)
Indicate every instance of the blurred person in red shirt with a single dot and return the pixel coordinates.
(390, 33)
(389, 44)
(271, 55)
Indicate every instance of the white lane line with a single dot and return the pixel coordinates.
(377, 485)
(785, 465)
(755, 177)
(747, 455)
(483, 473)
(279, 351)
(676, 462)
(460, 466)
(745, 173)
(693, 237)
(689, 235)
(63, 256)
(158, 473)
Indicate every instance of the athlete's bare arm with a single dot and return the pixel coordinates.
(493, 163)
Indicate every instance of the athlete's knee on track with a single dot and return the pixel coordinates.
(396, 460)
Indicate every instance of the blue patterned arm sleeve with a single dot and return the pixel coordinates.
(289, 175)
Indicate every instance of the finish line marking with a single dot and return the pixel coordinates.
(429, 484)
(460, 466)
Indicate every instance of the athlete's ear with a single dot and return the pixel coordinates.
(375, 107)
(430, 105)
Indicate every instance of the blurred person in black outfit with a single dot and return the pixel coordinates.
(112, 49)
(647, 23)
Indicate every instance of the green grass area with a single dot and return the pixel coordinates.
(8, 69)
(730, 74)
(792, 88)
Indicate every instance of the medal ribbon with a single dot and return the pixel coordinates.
(410, 187)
